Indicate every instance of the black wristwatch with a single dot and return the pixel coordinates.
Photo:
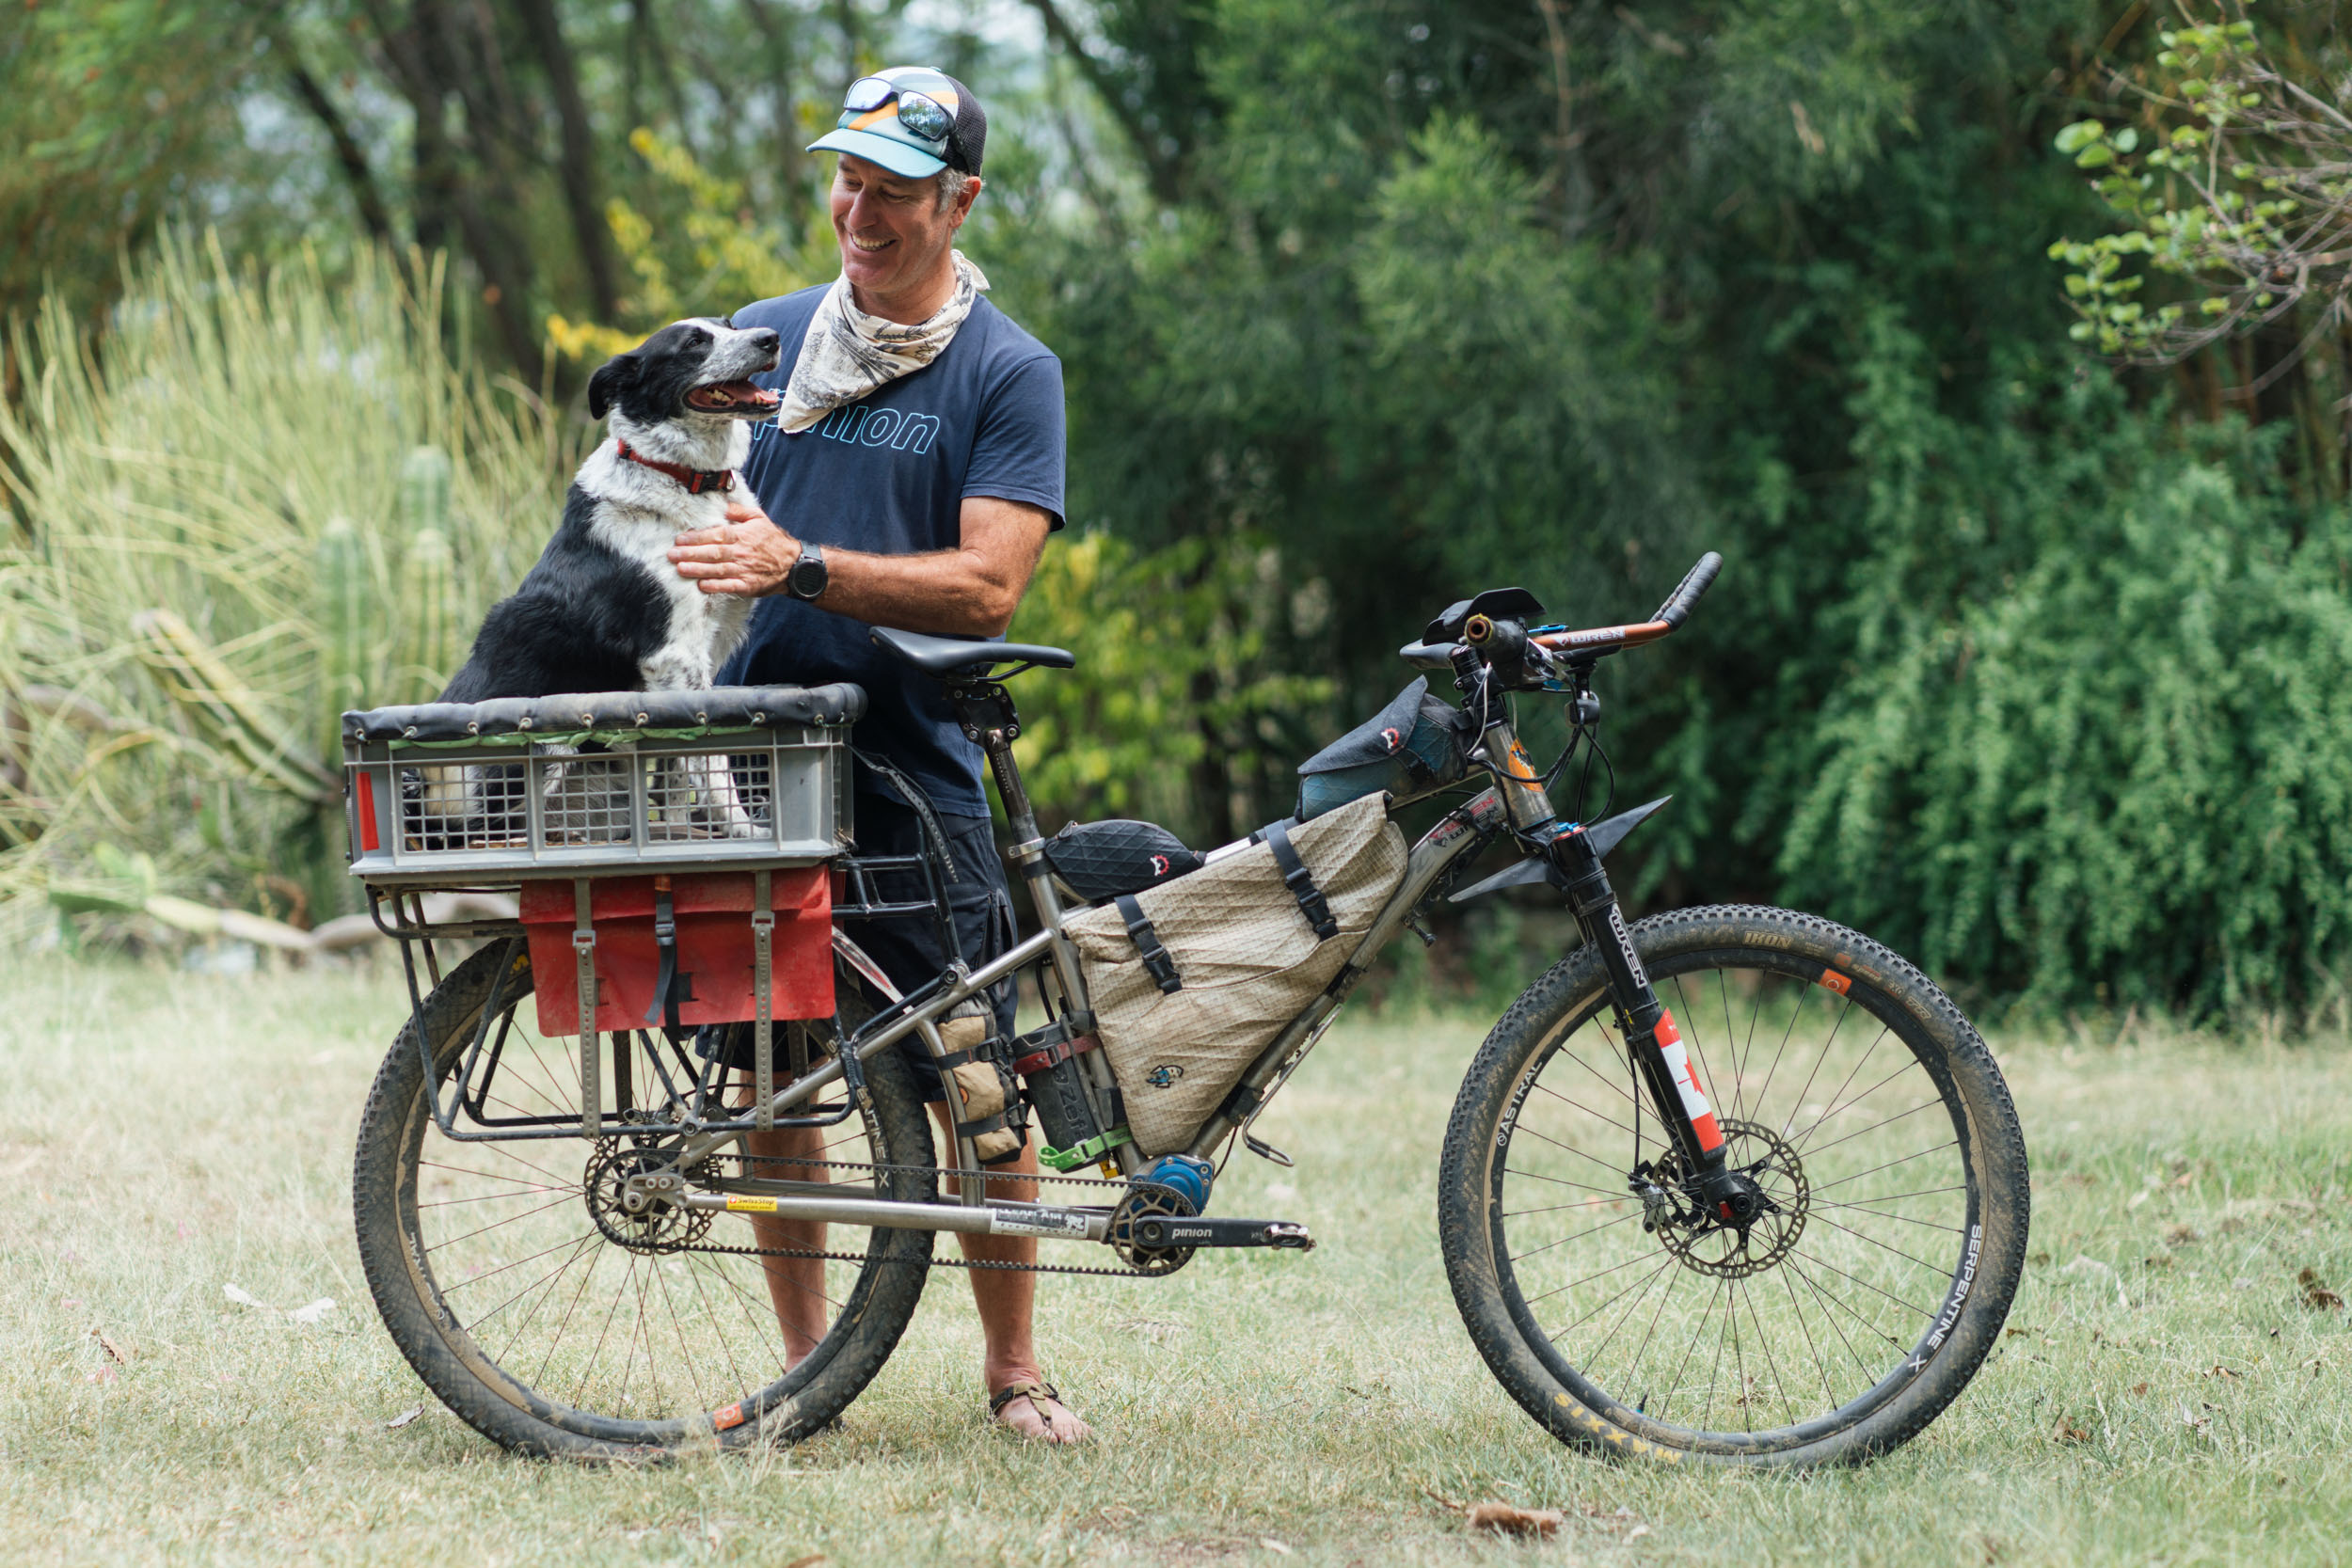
(808, 576)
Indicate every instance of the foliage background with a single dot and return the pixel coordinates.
(2032, 667)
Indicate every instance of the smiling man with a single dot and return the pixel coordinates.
(910, 478)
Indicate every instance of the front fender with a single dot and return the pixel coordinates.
(1603, 836)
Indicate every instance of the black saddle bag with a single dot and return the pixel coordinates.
(1103, 859)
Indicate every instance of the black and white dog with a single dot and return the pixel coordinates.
(603, 609)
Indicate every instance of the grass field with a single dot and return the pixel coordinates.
(2164, 1395)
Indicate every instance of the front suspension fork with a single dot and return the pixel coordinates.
(1651, 1037)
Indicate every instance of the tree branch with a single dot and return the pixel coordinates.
(1164, 173)
(577, 164)
(349, 155)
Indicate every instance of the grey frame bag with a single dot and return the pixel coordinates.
(1191, 981)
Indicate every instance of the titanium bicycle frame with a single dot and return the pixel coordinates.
(1567, 855)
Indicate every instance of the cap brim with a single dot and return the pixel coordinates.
(897, 156)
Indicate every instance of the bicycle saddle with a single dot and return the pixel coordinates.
(953, 656)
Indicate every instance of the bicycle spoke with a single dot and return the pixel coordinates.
(1690, 1023)
(1834, 1327)
(1898, 1115)
(1874, 1242)
(1797, 1107)
(1825, 1263)
(1588, 1111)
(1570, 1148)
(1889, 1166)
(1578, 1237)
(1842, 1306)
(1586, 1280)
(1764, 1344)
(1803, 996)
(452, 1287)
(1925, 1225)
(1611, 1302)
(1561, 1181)
(492, 1314)
(1797, 1311)
(554, 1282)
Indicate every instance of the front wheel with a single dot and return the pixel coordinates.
(1842, 1321)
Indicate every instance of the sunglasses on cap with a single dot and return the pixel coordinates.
(918, 112)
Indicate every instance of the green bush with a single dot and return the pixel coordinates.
(2092, 738)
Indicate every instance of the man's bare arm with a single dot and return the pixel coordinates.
(970, 591)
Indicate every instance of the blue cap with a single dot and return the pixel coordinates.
(877, 134)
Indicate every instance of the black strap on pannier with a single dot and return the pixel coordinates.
(1301, 883)
(1156, 963)
(667, 991)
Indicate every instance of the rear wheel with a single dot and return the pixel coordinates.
(554, 1322)
(1853, 1310)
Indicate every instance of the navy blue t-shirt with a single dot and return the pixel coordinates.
(888, 476)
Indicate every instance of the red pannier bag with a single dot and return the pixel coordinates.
(715, 941)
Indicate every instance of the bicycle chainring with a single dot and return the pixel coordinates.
(1144, 1200)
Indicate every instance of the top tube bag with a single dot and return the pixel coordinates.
(1190, 981)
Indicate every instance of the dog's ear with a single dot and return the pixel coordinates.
(614, 376)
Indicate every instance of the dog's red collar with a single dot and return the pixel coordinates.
(695, 480)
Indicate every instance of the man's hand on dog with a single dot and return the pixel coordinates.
(748, 554)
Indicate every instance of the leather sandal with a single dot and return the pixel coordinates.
(1028, 1389)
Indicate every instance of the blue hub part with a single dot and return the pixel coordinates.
(1181, 1173)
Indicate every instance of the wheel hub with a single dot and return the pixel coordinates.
(1748, 1224)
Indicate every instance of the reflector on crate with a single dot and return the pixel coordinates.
(713, 911)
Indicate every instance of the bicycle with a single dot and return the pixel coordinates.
(1804, 1268)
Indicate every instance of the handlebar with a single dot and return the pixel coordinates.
(1670, 616)
(1597, 640)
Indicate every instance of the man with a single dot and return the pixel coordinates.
(915, 473)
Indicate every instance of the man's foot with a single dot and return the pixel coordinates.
(1033, 1409)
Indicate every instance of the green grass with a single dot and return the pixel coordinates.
(166, 1134)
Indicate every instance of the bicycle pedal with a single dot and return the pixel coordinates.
(1187, 1231)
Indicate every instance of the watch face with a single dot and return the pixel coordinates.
(808, 574)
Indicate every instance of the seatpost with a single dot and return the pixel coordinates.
(985, 710)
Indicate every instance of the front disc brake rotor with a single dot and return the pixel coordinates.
(1709, 1246)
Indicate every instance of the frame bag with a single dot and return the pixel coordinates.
(1191, 981)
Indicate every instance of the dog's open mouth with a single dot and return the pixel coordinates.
(732, 397)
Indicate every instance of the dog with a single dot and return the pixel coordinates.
(603, 609)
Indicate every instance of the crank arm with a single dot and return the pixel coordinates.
(1170, 1230)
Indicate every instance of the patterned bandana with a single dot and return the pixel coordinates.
(848, 353)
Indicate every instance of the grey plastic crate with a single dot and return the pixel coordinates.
(614, 782)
